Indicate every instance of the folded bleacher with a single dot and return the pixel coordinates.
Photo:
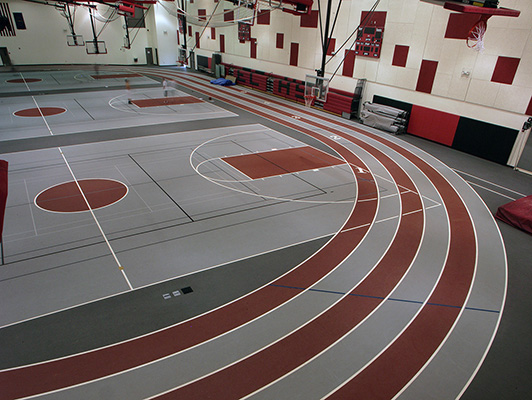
(338, 102)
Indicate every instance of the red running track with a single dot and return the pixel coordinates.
(454, 268)
(57, 374)
(396, 366)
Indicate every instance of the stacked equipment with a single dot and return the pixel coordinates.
(384, 117)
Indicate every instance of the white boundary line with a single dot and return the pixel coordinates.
(120, 267)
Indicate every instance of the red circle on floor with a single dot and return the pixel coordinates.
(27, 80)
(34, 112)
(66, 197)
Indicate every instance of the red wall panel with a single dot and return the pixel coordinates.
(280, 41)
(427, 73)
(378, 18)
(529, 108)
(330, 48)
(213, 33)
(229, 15)
(505, 70)
(459, 25)
(349, 63)
(263, 18)
(294, 53)
(197, 40)
(222, 43)
(253, 48)
(202, 14)
(400, 55)
(309, 20)
(434, 125)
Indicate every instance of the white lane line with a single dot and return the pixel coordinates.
(31, 210)
(120, 267)
(489, 182)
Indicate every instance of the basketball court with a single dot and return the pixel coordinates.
(230, 244)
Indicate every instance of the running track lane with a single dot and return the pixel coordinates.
(395, 367)
(279, 359)
(68, 371)
(271, 363)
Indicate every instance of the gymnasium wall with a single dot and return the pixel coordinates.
(44, 41)
(423, 60)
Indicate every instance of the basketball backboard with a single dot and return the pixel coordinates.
(317, 87)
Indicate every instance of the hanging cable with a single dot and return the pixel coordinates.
(363, 25)
(334, 24)
(137, 25)
(201, 34)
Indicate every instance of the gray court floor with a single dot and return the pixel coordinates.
(191, 221)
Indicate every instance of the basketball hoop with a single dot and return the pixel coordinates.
(309, 98)
(475, 37)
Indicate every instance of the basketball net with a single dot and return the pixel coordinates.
(475, 37)
(309, 98)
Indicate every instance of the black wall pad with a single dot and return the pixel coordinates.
(485, 140)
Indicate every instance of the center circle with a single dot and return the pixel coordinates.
(67, 198)
(42, 111)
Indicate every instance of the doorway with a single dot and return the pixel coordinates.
(4, 55)
(149, 56)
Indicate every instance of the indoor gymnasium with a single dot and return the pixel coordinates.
(265, 199)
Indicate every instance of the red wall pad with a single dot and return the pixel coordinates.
(294, 53)
(400, 55)
(263, 18)
(279, 41)
(427, 73)
(349, 63)
(505, 70)
(309, 20)
(434, 125)
(222, 43)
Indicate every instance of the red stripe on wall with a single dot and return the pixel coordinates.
(294, 53)
(427, 73)
(505, 70)
(434, 125)
(189, 30)
(280, 41)
(213, 33)
(201, 14)
(197, 40)
(400, 55)
(222, 43)
(349, 63)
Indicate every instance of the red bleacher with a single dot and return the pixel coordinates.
(338, 102)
